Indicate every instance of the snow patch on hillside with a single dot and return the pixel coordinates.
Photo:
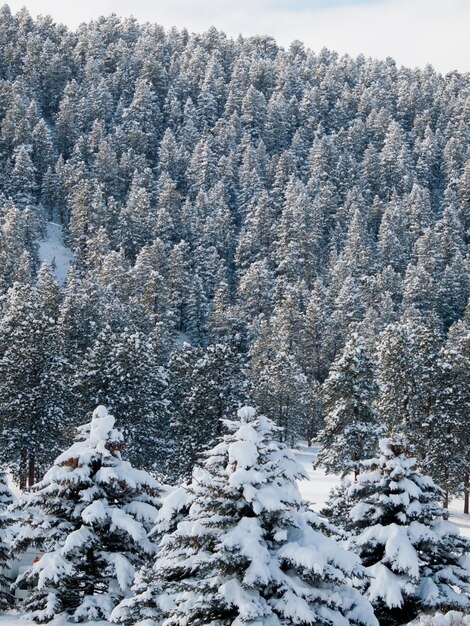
(182, 339)
(53, 250)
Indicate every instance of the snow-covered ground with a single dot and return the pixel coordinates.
(18, 620)
(456, 516)
(53, 250)
(319, 484)
(316, 489)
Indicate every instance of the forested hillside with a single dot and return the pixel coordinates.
(247, 223)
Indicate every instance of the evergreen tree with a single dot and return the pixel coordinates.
(205, 386)
(280, 385)
(351, 429)
(30, 387)
(122, 369)
(144, 604)
(255, 292)
(17, 248)
(409, 378)
(43, 155)
(135, 219)
(447, 453)
(249, 550)
(313, 353)
(415, 557)
(89, 516)
(23, 178)
(141, 119)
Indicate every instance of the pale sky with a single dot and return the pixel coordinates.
(414, 32)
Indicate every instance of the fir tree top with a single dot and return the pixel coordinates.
(391, 489)
(93, 466)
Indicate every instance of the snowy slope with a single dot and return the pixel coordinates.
(52, 249)
(316, 489)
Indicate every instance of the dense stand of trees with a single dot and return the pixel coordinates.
(300, 219)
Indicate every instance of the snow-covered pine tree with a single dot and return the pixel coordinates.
(30, 386)
(90, 515)
(409, 377)
(452, 618)
(6, 498)
(250, 551)
(448, 450)
(337, 506)
(121, 370)
(280, 384)
(351, 429)
(144, 604)
(205, 385)
(23, 177)
(416, 558)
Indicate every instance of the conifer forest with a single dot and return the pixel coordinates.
(213, 251)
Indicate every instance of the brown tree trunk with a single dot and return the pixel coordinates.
(466, 496)
(31, 471)
(23, 471)
(445, 504)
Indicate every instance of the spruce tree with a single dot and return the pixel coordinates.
(205, 386)
(351, 429)
(416, 558)
(30, 386)
(122, 370)
(249, 550)
(23, 178)
(144, 603)
(448, 450)
(89, 516)
(408, 376)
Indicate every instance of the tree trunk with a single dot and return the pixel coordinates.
(31, 471)
(445, 503)
(466, 496)
(23, 471)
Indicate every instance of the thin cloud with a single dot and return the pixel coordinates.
(310, 5)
